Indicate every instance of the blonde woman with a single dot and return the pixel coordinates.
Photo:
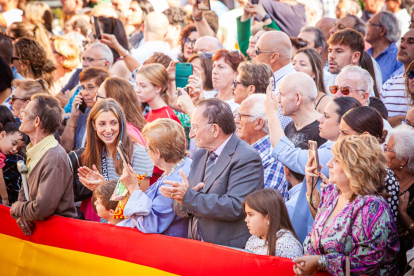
(38, 12)
(354, 224)
(66, 53)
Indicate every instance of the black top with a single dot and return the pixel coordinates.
(300, 137)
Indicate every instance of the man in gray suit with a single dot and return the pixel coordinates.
(224, 171)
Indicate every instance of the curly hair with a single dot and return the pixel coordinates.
(34, 62)
(363, 162)
(408, 94)
(256, 74)
(176, 16)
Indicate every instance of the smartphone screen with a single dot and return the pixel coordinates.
(255, 2)
(182, 72)
(203, 5)
(313, 151)
(96, 28)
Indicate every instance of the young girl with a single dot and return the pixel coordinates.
(11, 142)
(269, 224)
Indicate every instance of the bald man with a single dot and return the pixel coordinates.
(297, 93)
(275, 49)
(207, 44)
(155, 34)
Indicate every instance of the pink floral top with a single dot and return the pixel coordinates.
(364, 229)
(2, 160)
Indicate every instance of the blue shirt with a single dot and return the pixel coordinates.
(295, 159)
(16, 75)
(151, 212)
(274, 176)
(293, 199)
(387, 61)
(81, 128)
(68, 106)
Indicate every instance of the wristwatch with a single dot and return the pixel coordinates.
(198, 19)
(265, 17)
(126, 53)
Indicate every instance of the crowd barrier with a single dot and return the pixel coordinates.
(62, 246)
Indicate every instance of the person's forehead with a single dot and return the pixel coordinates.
(347, 80)
(307, 36)
(339, 46)
(409, 34)
(375, 18)
(94, 52)
(347, 21)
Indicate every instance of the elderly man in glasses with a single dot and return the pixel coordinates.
(50, 180)
(355, 82)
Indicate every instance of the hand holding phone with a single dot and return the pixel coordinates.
(121, 151)
(203, 5)
(96, 28)
(82, 107)
(313, 151)
(182, 72)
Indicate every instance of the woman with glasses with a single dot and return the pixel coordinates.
(309, 61)
(225, 65)
(123, 92)
(400, 159)
(188, 38)
(166, 146)
(24, 90)
(66, 53)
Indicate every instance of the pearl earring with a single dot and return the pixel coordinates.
(157, 92)
(267, 223)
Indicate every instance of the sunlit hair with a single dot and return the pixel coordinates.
(408, 94)
(30, 87)
(34, 61)
(317, 66)
(157, 75)
(168, 137)
(67, 47)
(270, 202)
(256, 74)
(363, 162)
(38, 12)
(95, 146)
(123, 92)
(32, 31)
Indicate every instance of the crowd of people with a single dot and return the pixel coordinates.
(293, 135)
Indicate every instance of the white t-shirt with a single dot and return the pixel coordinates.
(148, 48)
(14, 15)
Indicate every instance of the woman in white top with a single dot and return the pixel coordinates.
(268, 222)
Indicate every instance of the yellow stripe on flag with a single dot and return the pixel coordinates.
(19, 257)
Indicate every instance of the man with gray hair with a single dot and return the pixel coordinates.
(297, 94)
(207, 44)
(313, 37)
(252, 127)
(355, 82)
(382, 33)
(275, 49)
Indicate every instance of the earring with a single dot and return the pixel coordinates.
(157, 92)
(267, 223)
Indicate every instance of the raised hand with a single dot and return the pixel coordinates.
(90, 178)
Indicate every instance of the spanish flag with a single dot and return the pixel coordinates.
(63, 246)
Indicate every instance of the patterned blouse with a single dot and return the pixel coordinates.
(364, 228)
(287, 246)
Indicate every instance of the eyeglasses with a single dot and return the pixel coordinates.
(235, 83)
(15, 59)
(257, 51)
(302, 42)
(187, 40)
(88, 89)
(89, 60)
(57, 53)
(97, 97)
(410, 74)
(369, 24)
(385, 149)
(344, 90)
(240, 115)
(13, 98)
(408, 123)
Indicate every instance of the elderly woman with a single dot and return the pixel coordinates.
(253, 78)
(24, 90)
(150, 211)
(354, 231)
(48, 167)
(400, 159)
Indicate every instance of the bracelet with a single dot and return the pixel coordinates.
(198, 19)
(314, 198)
(265, 17)
(126, 53)
(321, 266)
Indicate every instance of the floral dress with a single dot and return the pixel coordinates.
(287, 246)
(364, 229)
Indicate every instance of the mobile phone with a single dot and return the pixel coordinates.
(272, 83)
(121, 151)
(182, 72)
(313, 151)
(255, 2)
(96, 28)
(82, 107)
(203, 5)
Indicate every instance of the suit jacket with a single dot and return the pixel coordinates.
(237, 172)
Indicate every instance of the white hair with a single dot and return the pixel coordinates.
(256, 107)
(404, 144)
(106, 52)
(363, 78)
(303, 84)
(389, 21)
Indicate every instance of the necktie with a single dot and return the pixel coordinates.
(194, 232)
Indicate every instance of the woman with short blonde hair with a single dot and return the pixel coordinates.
(354, 230)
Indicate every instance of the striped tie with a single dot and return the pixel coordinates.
(194, 232)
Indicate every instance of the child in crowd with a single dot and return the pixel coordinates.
(270, 226)
(11, 142)
(104, 206)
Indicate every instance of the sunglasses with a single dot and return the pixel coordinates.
(235, 83)
(410, 74)
(344, 90)
(13, 98)
(257, 51)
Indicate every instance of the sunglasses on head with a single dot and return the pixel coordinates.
(344, 90)
(410, 75)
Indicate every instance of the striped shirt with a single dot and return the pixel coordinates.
(141, 162)
(278, 76)
(393, 96)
